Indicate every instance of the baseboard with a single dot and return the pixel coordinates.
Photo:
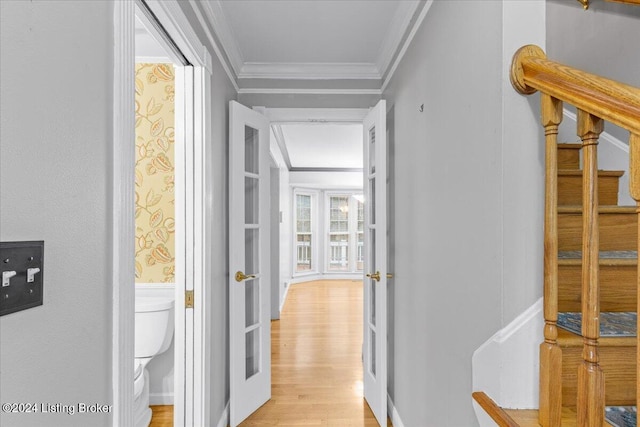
(325, 276)
(284, 297)
(506, 366)
(224, 418)
(393, 414)
(160, 398)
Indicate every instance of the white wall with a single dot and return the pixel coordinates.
(55, 162)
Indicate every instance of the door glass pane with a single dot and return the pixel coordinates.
(251, 150)
(372, 200)
(251, 257)
(372, 150)
(251, 204)
(252, 347)
(372, 282)
(251, 302)
(360, 238)
(372, 349)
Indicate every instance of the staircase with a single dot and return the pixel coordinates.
(589, 358)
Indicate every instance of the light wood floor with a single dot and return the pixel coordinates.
(316, 358)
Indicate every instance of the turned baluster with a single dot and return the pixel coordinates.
(590, 404)
(634, 189)
(550, 352)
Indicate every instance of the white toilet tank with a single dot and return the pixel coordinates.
(154, 324)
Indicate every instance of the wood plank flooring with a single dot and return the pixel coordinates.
(162, 416)
(316, 357)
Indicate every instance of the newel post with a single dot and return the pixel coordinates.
(549, 414)
(634, 189)
(590, 404)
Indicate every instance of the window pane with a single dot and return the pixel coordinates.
(251, 150)
(303, 248)
(339, 252)
(303, 232)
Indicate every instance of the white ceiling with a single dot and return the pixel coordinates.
(321, 146)
(310, 39)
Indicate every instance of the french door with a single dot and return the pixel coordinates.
(249, 281)
(375, 262)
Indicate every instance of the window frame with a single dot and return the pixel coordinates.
(352, 231)
(313, 195)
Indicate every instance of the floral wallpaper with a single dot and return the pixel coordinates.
(155, 201)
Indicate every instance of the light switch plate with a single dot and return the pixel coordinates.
(17, 293)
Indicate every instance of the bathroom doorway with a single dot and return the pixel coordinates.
(160, 129)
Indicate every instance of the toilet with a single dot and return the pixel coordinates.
(154, 324)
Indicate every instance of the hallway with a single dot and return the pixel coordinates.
(316, 359)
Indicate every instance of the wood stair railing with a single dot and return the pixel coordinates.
(597, 99)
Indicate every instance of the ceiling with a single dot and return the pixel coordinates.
(312, 146)
(345, 46)
(311, 39)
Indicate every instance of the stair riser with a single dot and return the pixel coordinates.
(619, 366)
(618, 232)
(617, 288)
(568, 157)
(570, 190)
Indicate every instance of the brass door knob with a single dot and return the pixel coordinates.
(375, 276)
(240, 276)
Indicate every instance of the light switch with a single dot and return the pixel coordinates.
(22, 266)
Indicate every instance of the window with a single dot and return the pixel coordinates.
(345, 237)
(339, 233)
(303, 231)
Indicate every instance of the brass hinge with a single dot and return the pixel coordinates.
(188, 299)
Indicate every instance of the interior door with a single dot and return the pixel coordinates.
(375, 262)
(249, 293)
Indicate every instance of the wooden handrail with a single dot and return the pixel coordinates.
(597, 99)
(612, 101)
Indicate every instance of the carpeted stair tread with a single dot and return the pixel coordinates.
(621, 416)
(603, 255)
(612, 324)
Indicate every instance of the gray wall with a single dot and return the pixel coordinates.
(602, 40)
(56, 134)
(607, 45)
(218, 240)
(448, 213)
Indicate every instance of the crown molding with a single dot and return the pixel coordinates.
(277, 131)
(309, 71)
(302, 91)
(316, 115)
(407, 42)
(220, 52)
(215, 14)
(397, 30)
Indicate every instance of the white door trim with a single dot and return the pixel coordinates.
(122, 219)
(170, 14)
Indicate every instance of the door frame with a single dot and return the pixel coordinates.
(170, 15)
(327, 116)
